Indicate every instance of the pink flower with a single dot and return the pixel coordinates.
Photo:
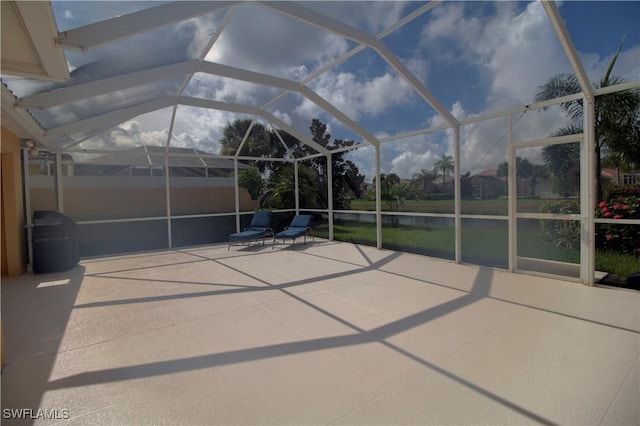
(609, 237)
(608, 214)
(626, 207)
(605, 209)
(618, 216)
(617, 206)
(602, 204)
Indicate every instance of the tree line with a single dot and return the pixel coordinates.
(273, 182)
(617, 136)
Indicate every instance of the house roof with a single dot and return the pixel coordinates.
(154, 156)
(488, 178)
(489, 172)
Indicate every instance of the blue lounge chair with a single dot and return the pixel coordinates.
(260, 228)
(299, 227)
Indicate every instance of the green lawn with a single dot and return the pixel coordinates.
(489, 207)
(482, 245)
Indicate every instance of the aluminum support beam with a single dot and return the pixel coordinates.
(244, 109)
(410, 17)
(167, 190)
(512, 195)
(27, 205)
(249, 76)
(228, 16)
(587, 194)
(296, 185)
(567, 45)
(38, 20)
(325, 23)
(457, 194)
(24, 120)
(245, 137)
(284, 145)
(222, 106)
(339, 115)
(413, 81)
(342, 58)
(105, 86)
(112, 118)
(236, 193)
(58, 183)
(330, 194)
(293, 132)
(331, 25)
(291, 86)
(378, 200)
(92, 35)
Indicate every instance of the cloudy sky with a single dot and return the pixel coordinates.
(475, 57)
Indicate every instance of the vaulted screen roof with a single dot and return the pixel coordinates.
(176, 73)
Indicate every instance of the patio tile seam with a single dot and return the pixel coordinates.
(330, 350)
(385, 392)
(537, 305)
(141, 396)
(18, 362)
(487, 333)
(357, 305)
(330, 353)
(426, 282)
(617, 393)
(157, 330)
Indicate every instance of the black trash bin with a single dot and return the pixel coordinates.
(55, 242)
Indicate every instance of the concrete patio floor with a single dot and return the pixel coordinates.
(325, 333)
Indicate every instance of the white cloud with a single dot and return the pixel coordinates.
(357, 97)
(407, 164)
(126, 136)
(511, 49)
(515, 51)
(369, 16)
(627, 65)
(289, 48)
(283, 116)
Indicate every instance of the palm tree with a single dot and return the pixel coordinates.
(618, 162)
(524, 169)
(423, 179)
(617, 114)
(251, 180)
(258, 143)
(391, 193)
(563, 162)
(446, 165)
(281, 191)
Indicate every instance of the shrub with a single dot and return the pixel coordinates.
(619, 203)
(613, 192)
(563, 233)
(436, 197)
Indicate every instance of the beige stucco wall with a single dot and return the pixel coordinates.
(13, 232)
(120, 203)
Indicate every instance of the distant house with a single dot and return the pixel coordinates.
(487, 185)
(618, 177)
(447, 187)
